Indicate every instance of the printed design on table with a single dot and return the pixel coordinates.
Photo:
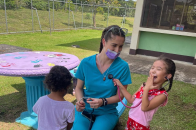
(22, 52)
(9, 54)
(20, 57)
(2, 61)
(59, 54)
(62, 59)
(38, 65)
(36, 61)
(51, 64)
(7, 64)
(54, 55)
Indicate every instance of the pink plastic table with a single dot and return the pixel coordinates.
(32, 67)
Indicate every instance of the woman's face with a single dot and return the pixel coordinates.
(114, 44)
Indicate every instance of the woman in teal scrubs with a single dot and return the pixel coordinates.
(93, 71)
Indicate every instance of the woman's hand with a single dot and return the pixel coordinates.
(95, 102)
(80, 105)
(117, 82)
(149, 83)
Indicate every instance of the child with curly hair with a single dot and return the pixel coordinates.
(54, 112)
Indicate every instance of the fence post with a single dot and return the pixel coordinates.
(124, 17)
(108, 14)
(74, 20)
(92, 16)
(69, 14)
(53, 15)
(76, 6)
(38, 19)
(49, 15)
(82, 13)
(32, 16)
(5, 16)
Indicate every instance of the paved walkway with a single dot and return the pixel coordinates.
(4, 48)
(185, 72)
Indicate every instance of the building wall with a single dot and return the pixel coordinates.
(168, 43)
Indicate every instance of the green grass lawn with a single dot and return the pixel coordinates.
(179, 113)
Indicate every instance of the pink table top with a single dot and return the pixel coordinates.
(25, 64)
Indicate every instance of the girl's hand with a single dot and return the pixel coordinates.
(117, 82)
(95, 102)
(149, 83)
(80, 105)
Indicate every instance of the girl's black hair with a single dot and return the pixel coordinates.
(171, 69)
(58, 79)
(108, 32)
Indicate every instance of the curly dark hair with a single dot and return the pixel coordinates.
(58, 79)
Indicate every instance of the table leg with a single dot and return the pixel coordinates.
(34, 89)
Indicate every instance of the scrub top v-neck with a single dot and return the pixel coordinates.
(96, 87)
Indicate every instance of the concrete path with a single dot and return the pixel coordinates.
(4, 48)
(140, 64)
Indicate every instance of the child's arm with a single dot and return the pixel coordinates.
(69, 125)
(156, 101)
(130, 98)
(35, 106)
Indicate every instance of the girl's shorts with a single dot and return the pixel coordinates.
(133, 125)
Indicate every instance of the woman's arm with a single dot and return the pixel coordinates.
(115, 98)
(123, 89)
(95, 102)
(80, 105)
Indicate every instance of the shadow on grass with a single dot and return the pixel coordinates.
(90, 44)
(13, 104)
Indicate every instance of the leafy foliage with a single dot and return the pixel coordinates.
(105, 15)
(88, 16)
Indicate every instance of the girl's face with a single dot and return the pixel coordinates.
(114, 44)
(159, 72)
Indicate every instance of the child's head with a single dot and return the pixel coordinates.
(58, 79)
(163, 69)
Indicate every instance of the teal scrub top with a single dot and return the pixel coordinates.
(96, 87)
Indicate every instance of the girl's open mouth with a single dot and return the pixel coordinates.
(154, 77)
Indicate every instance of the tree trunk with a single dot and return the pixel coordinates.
(94, 20)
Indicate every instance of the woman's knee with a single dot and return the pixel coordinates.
(80, 123)
(105, 122)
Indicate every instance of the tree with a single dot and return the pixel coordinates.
(128, 4)
(96, 8)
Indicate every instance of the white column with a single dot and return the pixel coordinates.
(194, 61)
(136, 25)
